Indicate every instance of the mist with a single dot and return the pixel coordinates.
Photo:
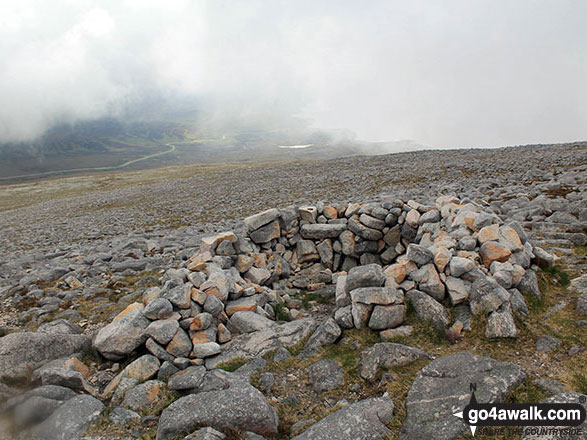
(444, 73)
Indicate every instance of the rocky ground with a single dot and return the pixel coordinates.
(268, 341)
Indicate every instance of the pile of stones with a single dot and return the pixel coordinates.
(372, 258)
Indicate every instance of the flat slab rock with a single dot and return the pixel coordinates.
(442, 389)
(255, 344)
(240, 406)
(364, 420)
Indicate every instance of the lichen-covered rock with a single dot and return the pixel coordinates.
(428, 309)
(363, 420)
(442, 388)
(239, 406)
(387, 355)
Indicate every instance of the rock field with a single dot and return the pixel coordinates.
(354, 298)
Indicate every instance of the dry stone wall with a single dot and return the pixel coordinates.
(373, 259)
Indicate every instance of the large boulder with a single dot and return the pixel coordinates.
(70, 420)
(442, 388)
(124, 334)
(21, 353)
(239, 406)
(363, 420)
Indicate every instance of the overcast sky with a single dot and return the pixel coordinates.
(447, 73)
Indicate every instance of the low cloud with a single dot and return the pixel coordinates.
(448, 74)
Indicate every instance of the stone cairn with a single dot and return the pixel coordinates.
(373, 258)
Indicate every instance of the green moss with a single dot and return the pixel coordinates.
(555, 275)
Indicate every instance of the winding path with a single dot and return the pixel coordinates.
(111, 168)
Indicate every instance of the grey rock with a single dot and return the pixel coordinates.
(238, 407)
(442, 388)
(460, 266)
(166, 371)
(122, 416)
(159, 308)
(252, 345)
(428, 309)
(486, 296)
(180, 345)
(20, 353)
(179, 296)
(361, 314)
(386, 317)
(158, 351)
(70, 420)
(363, 231)
(60, 326)
(370, 275)
(458, 290)
(266, 233)
(55, 375)
(518, 302)
(529, 284)
(206, 350)
(387, 355)
(34, 410)
(256, 221)
(419, 254)
(163, 330)
(342, 298)
(582, 304)
(363, 420)
(325, 375)
(144, 396)
(343, 317)
(500, 324)
(247, 322)
(213, 305)
(377, 295)
(326, 333)
(187, 379)
(124, 334)
(317, 231)
(257, 275)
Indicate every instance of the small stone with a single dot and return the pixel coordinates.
(159, 308)
(491, 251)
(500, 324)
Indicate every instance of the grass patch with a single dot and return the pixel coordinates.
(579, 383)
(554, 276)
(580, 250)
(528, 392)
(232, 365)
(280, 312)
(311, 297)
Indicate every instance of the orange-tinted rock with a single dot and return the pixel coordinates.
(492, 251)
